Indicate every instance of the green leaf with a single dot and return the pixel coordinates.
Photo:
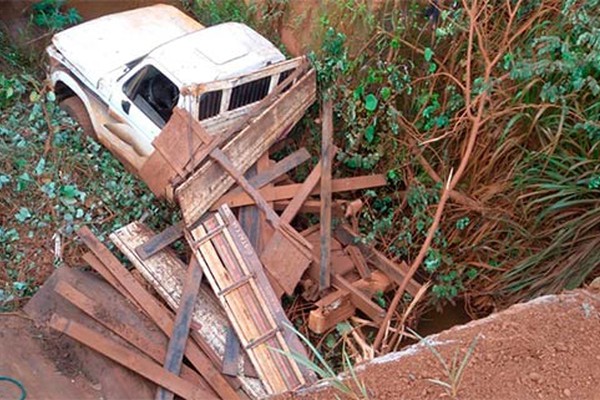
(370, 134)
(371, 102)
(330, 341)
(4, 179)
(343, 327)
(428, 54)
(23, 215)
(386, 92)
(39, 168)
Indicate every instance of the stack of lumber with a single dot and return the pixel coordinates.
(224, 332)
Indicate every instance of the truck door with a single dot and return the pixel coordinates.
(145, 97)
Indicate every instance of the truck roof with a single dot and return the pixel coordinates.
(190, 53)
(102, 45)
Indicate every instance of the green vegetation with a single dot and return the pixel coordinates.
(49, 14)
(53, 179)
(515, 118)
(453, 368)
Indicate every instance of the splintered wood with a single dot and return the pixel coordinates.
(198, 193)
(235, 274)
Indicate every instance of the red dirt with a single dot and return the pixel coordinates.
(544, 349)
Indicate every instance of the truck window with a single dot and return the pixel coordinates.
(210, 104)
(153, 93)
(249, 92)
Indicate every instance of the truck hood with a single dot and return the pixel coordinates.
(215, 53)
(104, 44)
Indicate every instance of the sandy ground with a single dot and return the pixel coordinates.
(545, 349)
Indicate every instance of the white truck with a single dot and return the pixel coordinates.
(122, 75)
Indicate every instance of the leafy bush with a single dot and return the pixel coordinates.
(49, 14)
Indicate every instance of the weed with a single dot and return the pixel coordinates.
(49, 14)
(454, 368)
(357, 390)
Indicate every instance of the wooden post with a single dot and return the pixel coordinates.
(326, 161)
(181, 330)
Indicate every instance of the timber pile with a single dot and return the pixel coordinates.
(223, 310)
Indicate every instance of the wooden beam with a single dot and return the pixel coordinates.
(277, 170)
(302, 194)
(359, 299)
(156, 312)
(106, 317)
(326, 159)
(128, 358)
(287, 192)
(159, 241)
(359, 261)
(396, 272)
(181, 330)
(339, 306)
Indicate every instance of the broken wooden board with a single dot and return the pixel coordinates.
(340, 305)
(166, 273)
(157, 313)
(236, 276)
(161, 240)
(287, 192)
(285, 244)
(209, 182)
(396, 272)
(128, 358)
(109, 317)
(114, 381)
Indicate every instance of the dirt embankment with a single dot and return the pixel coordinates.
(544, 349)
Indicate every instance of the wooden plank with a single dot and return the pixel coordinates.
(302, 194)
(286, 243)
(252, 307)
(338, 306)
(287, 192)
(359, 261)
(327, 160)
(183, 319)
(231, 358)
(166, 273)
(331, 310)
(159, 241)
(156, 311)
(250, 221)
(312, 207)
(107, 318)
(198, 193)
(396, 272)
(158, 174)
(128, 358)
(269, 174)
(359, 299)
(180, 140)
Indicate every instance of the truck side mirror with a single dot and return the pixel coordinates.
(126, 106)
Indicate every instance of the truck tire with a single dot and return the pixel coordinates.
(76, 110)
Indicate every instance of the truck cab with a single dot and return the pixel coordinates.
(123, 74)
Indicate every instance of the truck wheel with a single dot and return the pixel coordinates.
(76, 110)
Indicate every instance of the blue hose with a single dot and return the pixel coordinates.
(17, 384)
